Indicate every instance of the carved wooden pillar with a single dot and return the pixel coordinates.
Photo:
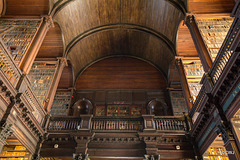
(29, 57)
(199, 43)
(80, 157)
(36, 155)
(82, 139)
(184, 83)
(151, 157)
(62, 62)
(5, 131)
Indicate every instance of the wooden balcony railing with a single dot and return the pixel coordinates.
(225, 52)
(7, 65)
(114, 123)
(10, 73)
(128, 124)
(64, 123)
(170, 123)
(225, 55)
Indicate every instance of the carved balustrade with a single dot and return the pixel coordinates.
(18, 85)
(221, 67)
(117, 123)
(102, 124)
(64, 123)
(170, 123)
(9, 71)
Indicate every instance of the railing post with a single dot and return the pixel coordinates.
(53, 88)
(86, 122)
(148, 123)
(29, 57)
(199, 43)
(184, 84)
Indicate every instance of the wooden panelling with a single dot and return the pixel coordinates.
(27, 7)
(185, 44)
(143, 28)
(52, 45)
(121, 73)
(174, 78)
(120, 42)
(210, 6)
(66, 80)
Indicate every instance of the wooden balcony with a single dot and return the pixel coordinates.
(117, 124)
(118, 136)
(18, 98)
(218, 98)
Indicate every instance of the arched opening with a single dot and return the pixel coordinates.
(122, 86)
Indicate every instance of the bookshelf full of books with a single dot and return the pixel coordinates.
(215, 153)
(17, 35)
(178, 103)
(194, 72)
(214, 31)
(41, 76)
(14, 152)
(61, 103)
(118, 110)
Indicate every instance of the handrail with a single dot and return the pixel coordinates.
(8, 66)
(198, 100)
(32, 99)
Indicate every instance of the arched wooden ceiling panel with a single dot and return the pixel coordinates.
(97, 28)
(52, 45)
(160, 15)
(121, 73)
(120, 42)
(27, 7)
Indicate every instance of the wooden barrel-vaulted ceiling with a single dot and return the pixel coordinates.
(94, 29)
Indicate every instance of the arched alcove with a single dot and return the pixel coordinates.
(121, 73)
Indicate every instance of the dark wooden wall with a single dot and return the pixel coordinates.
(52, 45)
(210, 6)
(185, 44)
(66, 80)
(121, 73)
(27, 7)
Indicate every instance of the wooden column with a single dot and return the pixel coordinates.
(184, 83)
(29, 57)
(36, 155)
(199, 43)
(62, 62)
